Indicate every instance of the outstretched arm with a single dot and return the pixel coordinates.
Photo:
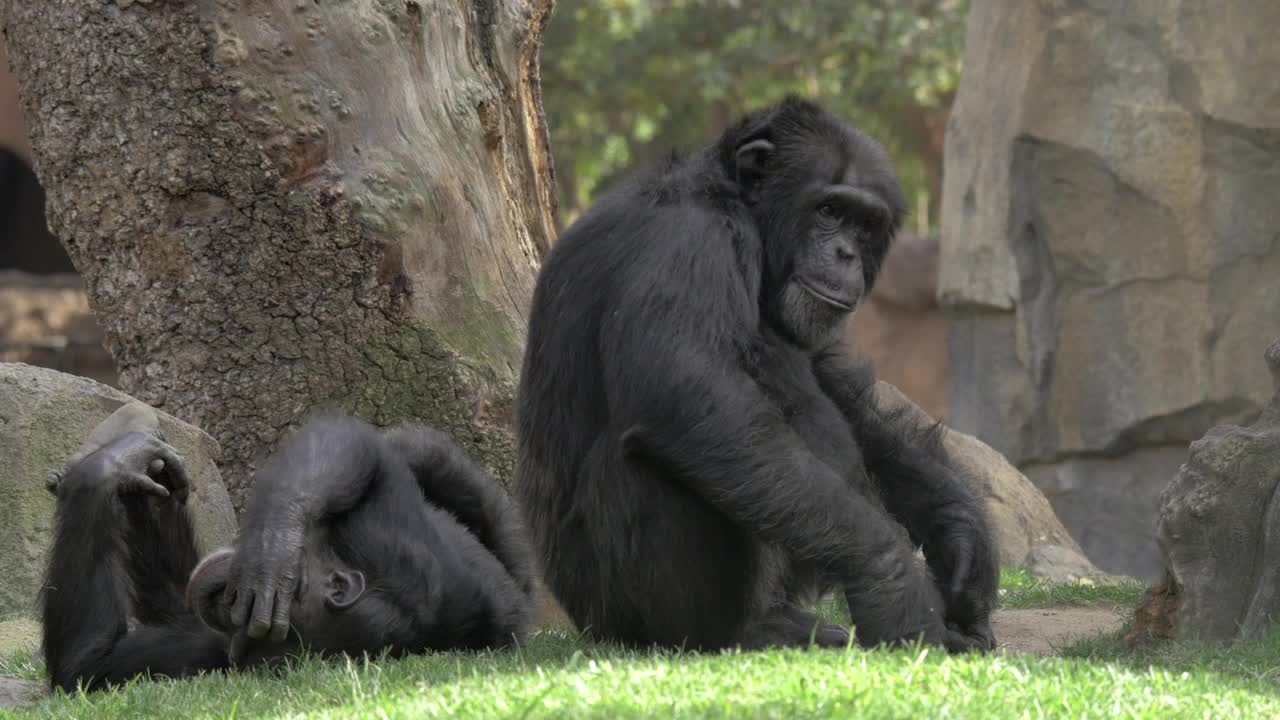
(323, 470)
(920, 488)
(450, 480)
(121, 533)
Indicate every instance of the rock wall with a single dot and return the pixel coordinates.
(1111, 245)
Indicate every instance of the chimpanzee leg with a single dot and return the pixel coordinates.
(93, 584)
(451, 480)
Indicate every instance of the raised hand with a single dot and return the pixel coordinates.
(134, 463)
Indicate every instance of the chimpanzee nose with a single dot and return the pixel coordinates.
(845, 251)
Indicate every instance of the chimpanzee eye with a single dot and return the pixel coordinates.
(829, 211)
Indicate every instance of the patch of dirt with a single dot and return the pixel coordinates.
(1042, 631)
(18, 635)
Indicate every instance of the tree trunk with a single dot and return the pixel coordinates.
(280, 207)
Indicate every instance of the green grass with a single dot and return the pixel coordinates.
(556, 675)
(1018, 589)
(1255, 660)
(22, 665)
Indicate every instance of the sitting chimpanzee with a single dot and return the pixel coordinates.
(697, 457)
(353, 541)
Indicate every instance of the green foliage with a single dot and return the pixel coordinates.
(628, 81)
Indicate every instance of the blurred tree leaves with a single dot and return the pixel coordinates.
(628, 81)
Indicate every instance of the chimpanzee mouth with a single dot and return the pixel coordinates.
(824, 296)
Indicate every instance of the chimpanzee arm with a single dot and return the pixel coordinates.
(325, 468)
(162, 549)
(322, 471)
(920, 489)
(450, 480)
(89, 593)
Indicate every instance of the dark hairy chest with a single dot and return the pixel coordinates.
(785, 374)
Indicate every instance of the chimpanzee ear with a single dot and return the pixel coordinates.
(752, 161)
(344, 589)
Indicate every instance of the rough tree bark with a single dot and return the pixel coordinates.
(296, 205)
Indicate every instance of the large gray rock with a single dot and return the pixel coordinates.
(45, 417)
(1111, 240)
(1059, 564)
(16, 692)
(1020, 515)
(1220, 529)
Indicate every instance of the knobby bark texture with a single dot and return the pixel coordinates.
(282, 207)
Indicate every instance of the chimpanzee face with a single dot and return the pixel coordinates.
(331, 612)
(826, 203)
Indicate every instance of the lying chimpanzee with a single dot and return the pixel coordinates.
(353, 541)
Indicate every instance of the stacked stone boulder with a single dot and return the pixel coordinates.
(1111, 245)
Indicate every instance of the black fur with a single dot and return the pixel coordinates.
(371, 542)
(697, 457)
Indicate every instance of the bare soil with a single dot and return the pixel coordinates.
(1043, 631)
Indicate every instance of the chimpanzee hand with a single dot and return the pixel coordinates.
(904, 604)
(966, 570)
(978, 636)
(264, 575)
(132, 464)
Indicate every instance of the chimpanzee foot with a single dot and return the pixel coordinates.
(789, 626)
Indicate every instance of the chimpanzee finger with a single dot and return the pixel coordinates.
(176, 476)
(280, 619)
(139, 483)
(263, 612)
(241, 606)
